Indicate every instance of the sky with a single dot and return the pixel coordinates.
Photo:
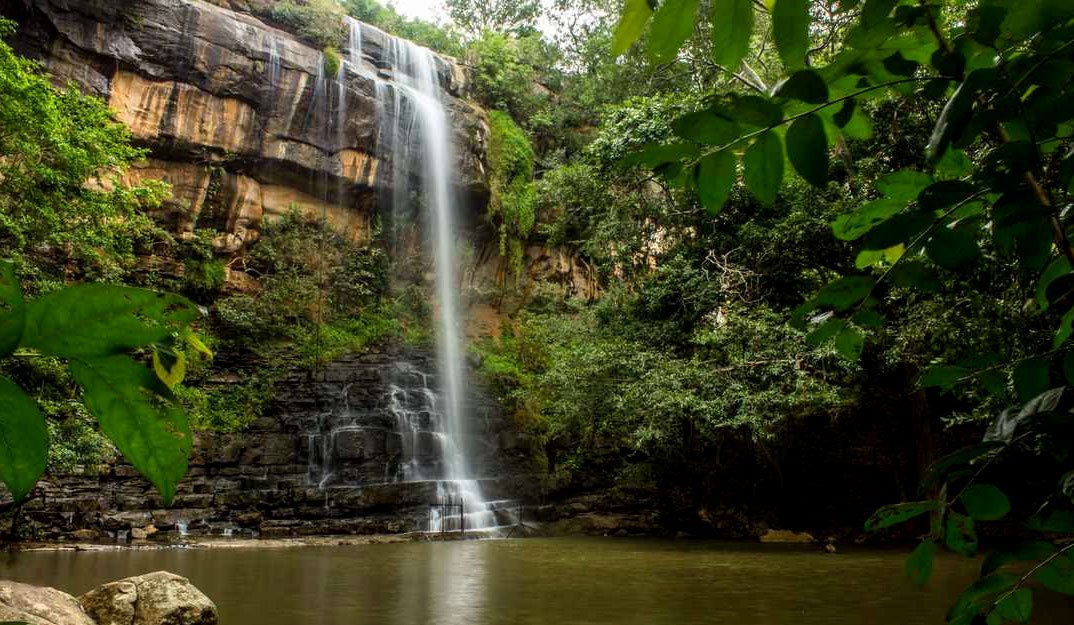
(429, 10)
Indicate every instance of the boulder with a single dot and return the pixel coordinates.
(36, 605)
(159, 598)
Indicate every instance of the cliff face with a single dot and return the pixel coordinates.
(234, 112)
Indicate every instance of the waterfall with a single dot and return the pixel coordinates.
(419, 426)
(354, 41)
(420, 134)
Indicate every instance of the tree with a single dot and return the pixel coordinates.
(62, 203)
(991, 194)
(502, 16)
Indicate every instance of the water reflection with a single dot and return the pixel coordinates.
(538, 582)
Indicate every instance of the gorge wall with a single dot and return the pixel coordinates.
(246, 121)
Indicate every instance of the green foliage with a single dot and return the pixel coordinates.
(503, 16)
(332, 61)
(505, 72)
(91, 327)
(976, 217)
(512, 204)
(318, 21)
(63, 211)
(385, 17)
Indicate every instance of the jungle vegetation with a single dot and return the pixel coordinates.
(806, 219)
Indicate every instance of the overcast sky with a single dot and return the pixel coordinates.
(430, 10)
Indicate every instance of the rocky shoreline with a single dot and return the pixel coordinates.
(159, 598)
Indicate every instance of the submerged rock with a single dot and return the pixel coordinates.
(38, 605)
(159, 598)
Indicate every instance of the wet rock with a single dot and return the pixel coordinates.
(86, 535)
(159, 598)
(23, 603)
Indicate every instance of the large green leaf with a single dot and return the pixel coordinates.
(1031, 378)
(790, 29)
(672, 26)
(805, 85)
(1058, 575)
(764, 167)
(89, 320)
(1017, 606)
(985, 502)
(904, 185)
(656, 154)
(938, 470)
(23, 440)
(635, 16)
(715, 178)
(134, 410)
(12, 309)
(753, 110)
(952, 249)
(1056, 269)
(855, 225)
(843, 293)
(849, 343)
(919, 564)
(1031, 551)
(942, 376)
(732, 27)
(894, 514)
(807, 147)
(706, 127)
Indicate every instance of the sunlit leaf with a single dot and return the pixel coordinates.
(732, 27)
(849, 343)
(672, 26)
(23, 440)
(89, 320)
(790, 29)
(132, 406)
(635, 16)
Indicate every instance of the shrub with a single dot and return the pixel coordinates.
(319, 21)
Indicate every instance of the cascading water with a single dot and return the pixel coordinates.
(421, 422)
(420, 134)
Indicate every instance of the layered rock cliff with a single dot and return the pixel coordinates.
(235, 110)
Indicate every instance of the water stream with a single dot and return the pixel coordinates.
(431, 419)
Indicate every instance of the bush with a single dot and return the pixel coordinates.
(319, 21)
(511, 206)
